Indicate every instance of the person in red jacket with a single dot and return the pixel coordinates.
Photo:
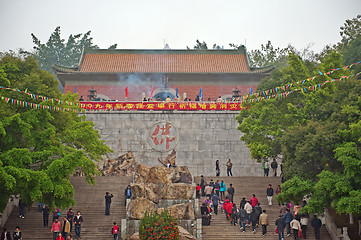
(60, 237)
(56, 228)
(225, 207)
(115, 231)
(198, 191)
(253, 201)
(228, 208)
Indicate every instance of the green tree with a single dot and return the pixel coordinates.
(338, 188)
(39, 149)
(267, 55)
(295, 190)
(199, 46)
(351, 30)
(265, 122)
(203, 46)
(352, 53)
(59, 51)
(318, 134)
(295, 71)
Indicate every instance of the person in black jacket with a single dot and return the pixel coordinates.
(205, 215)
(230, 191)
(281, 224)
(17, 234)
(70, 217)
(253, 219)
(45, 212)
(218, 170)
(269, 194)
(243, 202)
(235, 214)
(242, 219)
(108, 201)
(78, 221)
(6, 234)
(22, 206)
(258, 210)
(316, 224)
(202, 186)
(274, 166)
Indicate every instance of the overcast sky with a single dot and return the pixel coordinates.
(144, 24)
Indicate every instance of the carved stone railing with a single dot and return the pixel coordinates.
(335, 232)
(13, 201)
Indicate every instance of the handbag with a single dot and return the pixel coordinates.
(276, 230)
(300, 234)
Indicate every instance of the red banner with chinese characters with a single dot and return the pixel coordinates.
(159, 106)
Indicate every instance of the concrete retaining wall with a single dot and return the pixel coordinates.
(203, 137)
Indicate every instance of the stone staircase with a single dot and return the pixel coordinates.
(89, 201)
(220, 228)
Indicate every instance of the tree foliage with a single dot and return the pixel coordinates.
(267, 55)
(317, 134)
(265, 122)
(39, 150)
(203, 46)
(351, 30)
(60, 51)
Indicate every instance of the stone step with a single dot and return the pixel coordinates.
(220, 228)
(89, 200)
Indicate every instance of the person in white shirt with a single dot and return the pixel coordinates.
(248, 208)
(296, 226)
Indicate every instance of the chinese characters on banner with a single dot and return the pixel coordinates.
(189, 106)
(163, 136)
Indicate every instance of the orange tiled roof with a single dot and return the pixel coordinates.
(167, 61)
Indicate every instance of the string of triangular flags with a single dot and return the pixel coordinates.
(285, 87)
(38, 106)
(43, 98)
(256, 99)
(305, 90)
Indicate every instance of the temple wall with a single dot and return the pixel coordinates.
(199, 138)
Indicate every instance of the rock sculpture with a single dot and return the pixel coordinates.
(141, 173)
(177, 211)
(149, 191)
(162, 175)
(124, 165)
(137, 207)
(185, 235)
(170, 158)
(177, 191)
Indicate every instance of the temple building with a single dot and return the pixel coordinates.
(144, 73)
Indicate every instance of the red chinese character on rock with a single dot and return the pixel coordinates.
(162, 135)
(154, 135)
(168, 141)
(165, 129)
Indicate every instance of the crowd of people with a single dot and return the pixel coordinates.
(250, 213)
(62, 229)
(178, 99)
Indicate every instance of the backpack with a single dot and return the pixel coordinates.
(115, 229)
